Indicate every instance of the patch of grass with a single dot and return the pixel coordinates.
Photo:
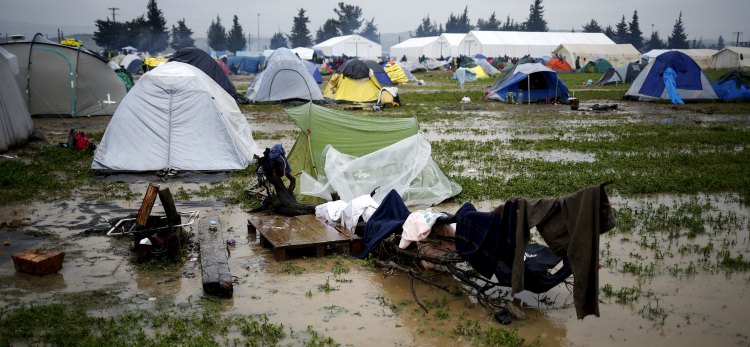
(326, 287)
(490, 335)
(290, 268)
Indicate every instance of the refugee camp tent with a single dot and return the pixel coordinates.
(600, 65)
(411, 66)
(245, 64)
(731, 58)
(464, 75)
(621, 74)
(701, 56)
(396, 74)
(132, 62)
(446, 45)
(351, 46)
(690, 82)
(558, 64)
(312, 68)
(203, 61)
(15, 122)
(733, 86)
(304, 53)
(615, 54)
(434, 64)
(285, 77)
(176, 118)
(531, 82)
(152, 62)
(415, 47)
(353, 82)
(520, 43)
(365, 144)
(379, 73)
(487, 67)
(479, 71)
(62, 80)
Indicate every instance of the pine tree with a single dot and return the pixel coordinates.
(609, 32)
(236, 38)
(458, 24)
(491, 24)
(592, 27)
(278, 40)
(181, 36)
(300, 36)
(110, 35)
(426, 28)
(350, 18)
(621, 31)
(654, 42)
(678, 39)
(138, 33)
(636, 35)
(511, 25)
(720, 43)
(370, 31)
(536, 21)
(158, 34)
(217, 36)
(330, 29)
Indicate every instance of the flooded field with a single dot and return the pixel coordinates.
(675, 271)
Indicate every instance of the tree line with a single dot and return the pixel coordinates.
(149, 32)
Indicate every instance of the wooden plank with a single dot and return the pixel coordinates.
(214, 256)
(147, 204)
(165, 196)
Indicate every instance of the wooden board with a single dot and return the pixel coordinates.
(217, 279)
(283, 233)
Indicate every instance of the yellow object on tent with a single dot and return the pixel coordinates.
(154, 62)
(342, 88)
(395, 73)
(480, 72)
(69, 41)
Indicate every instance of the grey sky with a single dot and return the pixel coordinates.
(706, 19)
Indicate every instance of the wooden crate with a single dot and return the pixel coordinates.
(39, 262)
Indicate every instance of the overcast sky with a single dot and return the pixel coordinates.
(706, 19)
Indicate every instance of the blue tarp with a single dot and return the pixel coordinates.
(734, 86)
(671, 87)
(688, 74)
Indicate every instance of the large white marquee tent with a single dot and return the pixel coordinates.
(351, 46)
(615, 54)
(519, 43)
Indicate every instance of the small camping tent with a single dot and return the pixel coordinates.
(487, 67)
(532, 82)
(621, 74)
(356, 137)
(379, 73)
(600, 65)
(176, 117)
(15, 122)
(203, 61)
(245, 64)
(558, 64)
(396, 74)
(731, 58)
(62, 80)
(353, 82)
(314, 71)
(690, 82)
(733, 86)
(304, 53)
(285, 77)
(132, 62)
(351, 46)
(702, 57)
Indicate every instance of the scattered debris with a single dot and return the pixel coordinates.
(38, 262)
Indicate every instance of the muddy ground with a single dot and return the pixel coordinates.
(707, 306)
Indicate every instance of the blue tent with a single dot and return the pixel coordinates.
(687, 83)
(532, 82)
(312, 68)
(733, 86)
(245, 64)
(379, 73)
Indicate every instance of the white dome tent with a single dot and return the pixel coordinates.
(176, 118)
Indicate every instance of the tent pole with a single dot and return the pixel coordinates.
(528, 84)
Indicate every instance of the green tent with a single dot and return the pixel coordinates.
(359, 136)
(596, 66)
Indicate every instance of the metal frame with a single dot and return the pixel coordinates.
(192, 216)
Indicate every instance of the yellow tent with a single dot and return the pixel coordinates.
(395, 73)
(342, 88)
(154, 62)
(480, 72)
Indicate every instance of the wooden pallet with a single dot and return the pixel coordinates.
(283, 233)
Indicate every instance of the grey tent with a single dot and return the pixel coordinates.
(285, 77)
(15, 121)
(63, 80)
(176, 118)
(621, 74)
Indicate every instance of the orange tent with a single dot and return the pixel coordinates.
(558, 64)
